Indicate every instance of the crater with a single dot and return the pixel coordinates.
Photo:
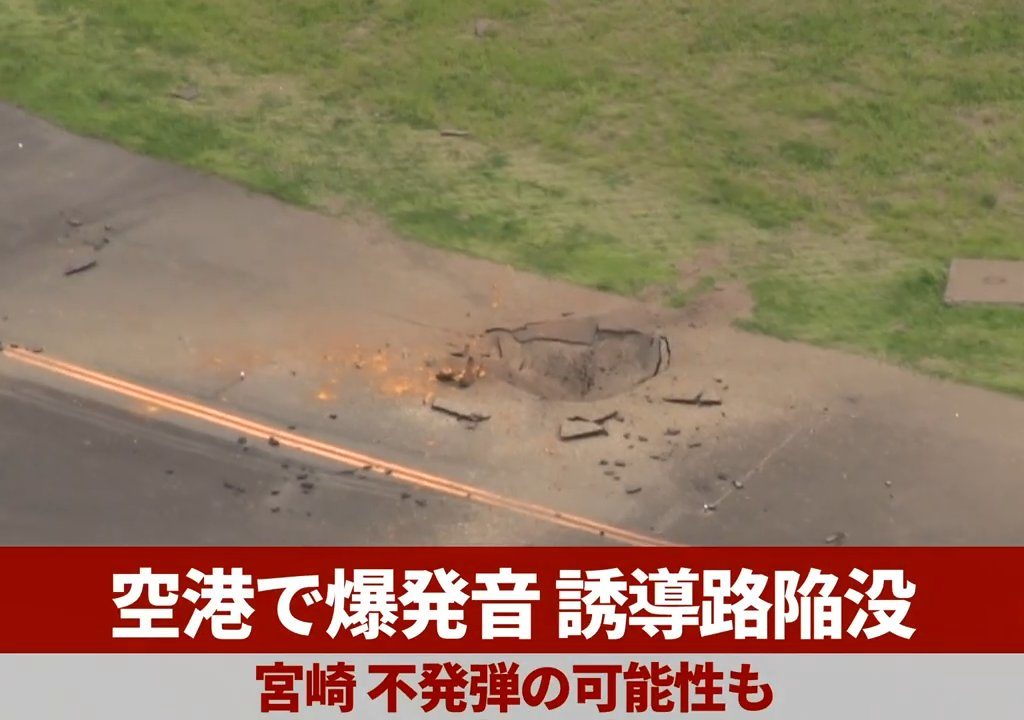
(575, 358)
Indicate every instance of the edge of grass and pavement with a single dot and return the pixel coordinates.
(833, 156)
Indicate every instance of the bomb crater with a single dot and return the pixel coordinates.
(575, 358)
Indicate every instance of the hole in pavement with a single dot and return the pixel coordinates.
(575, 359)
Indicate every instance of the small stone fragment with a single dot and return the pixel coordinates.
(710, 397)
(456, 409)
(273, 441)
(83, 267)
(837, 538)
(580, 429)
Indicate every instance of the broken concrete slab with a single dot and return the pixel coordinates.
(599, 419)
(80, 268)
(710, 397)
(578, 429)
(695, 396)
(577, 331)
(459, 409)
(992, 282)
(688, 396)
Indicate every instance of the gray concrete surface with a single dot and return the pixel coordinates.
(201, 280)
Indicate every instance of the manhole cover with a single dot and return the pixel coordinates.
(997, 282)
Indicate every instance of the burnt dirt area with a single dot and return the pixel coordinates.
(574, 358)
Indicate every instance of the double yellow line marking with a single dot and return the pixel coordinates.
(324, 450)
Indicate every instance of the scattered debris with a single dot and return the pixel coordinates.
(599, 420)
(602, 462)
(464, 377)
(421, 503)
(242, 440)
(74, 221)
(672, 432)
(233, 488)
(456, 409)
(620, 463)
(36, 350)
(333, 416)
(168, 472)
(633, 490)
(701, 396)
(661, 457)
(275, 509)
(722, 476)
(307, 487)
(188, 93)
(81, 268)
(837, 538)
(273, 441)
(451, 132)
(406, 494)
(578, 429)
(888, 483)
(710, 507)
(710, 397)
(641, 438)
(738, 484)
(694, 444)
(275, 492)
(302, 476)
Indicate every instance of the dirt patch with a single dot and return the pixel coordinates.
(575, 358)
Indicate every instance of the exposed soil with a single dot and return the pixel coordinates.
(575, 358)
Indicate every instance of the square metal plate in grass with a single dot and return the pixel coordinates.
(992, 282)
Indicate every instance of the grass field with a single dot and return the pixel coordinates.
(834, 155)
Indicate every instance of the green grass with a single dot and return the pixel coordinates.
(839, 152)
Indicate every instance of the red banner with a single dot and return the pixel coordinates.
(512, 600)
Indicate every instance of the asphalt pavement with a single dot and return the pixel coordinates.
(77, 472)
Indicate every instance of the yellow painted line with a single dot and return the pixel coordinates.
(324, 450)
